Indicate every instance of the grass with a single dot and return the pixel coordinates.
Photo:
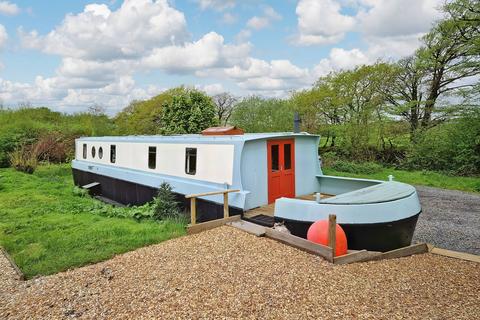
(423, 178)
(46, 228)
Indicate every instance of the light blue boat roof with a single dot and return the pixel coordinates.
(383, 192)
(198, 137)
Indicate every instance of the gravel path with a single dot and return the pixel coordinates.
(450, 219)
(226, 273)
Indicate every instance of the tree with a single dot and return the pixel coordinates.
(189, 111)
(256, 114)
(406, 93)
(319, 109)
(144, 117)
(450, 55)
(225, 103)
(435, 83)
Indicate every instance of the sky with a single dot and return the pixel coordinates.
(70, 55)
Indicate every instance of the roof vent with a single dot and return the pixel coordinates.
(222, 131)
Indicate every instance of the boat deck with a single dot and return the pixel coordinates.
(268, 209)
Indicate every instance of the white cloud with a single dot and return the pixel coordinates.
(264, 84)
(3, 41)
(208, 52)
(393, 29)
(41, 91)
(321, 22)
(229, 18)
(257, 22)
(47, 92)
(8, 8)
(243, 35)
(340, 59)
(100, 34)
(270, 78)
(252, 68)
(3, 36)
(257, 68)
(218, 5)
(393, 47)
(398, 17)
(269, 15)
(211, 89)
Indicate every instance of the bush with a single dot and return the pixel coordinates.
(53, 147)
(359, 168)
(328, 158)
(452, 147)
(24, 159)
(164, 205)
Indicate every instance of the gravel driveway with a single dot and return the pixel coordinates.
(450, 219)
(225, 273)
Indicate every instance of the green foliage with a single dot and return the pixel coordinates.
(355, 167)
(53, 132)
(144, 117)
(80, 192)
(453, 147)
(189, 111)
(423, 177)
(164, 205)
(47, 228)
(255, 114)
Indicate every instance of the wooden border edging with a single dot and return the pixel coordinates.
(359, 256)
(249, 227)
(300, 243)
(199, 227)
(364, 255)
(405, 251)
(19, 272)
(453, 254)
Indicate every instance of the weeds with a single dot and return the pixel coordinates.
(24, 159)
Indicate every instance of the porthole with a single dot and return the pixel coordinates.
(100, 152)
(93, 152)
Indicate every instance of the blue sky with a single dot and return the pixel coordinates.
(69, 55)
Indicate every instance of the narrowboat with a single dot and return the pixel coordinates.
(281, 168)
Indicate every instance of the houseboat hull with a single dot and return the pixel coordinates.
(393, 234)
(381, 217)
(132, 193)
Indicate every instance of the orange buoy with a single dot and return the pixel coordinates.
(318, 233)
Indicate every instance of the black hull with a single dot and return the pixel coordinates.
(129, 193)
(374, 237)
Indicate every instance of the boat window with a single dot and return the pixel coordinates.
(100, 152)
(152, 157)
(287, 156)
(113, 153)
(275, 157)
(93, 152)
(191, 160)
(84, 151)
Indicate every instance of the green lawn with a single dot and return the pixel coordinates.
(424, 178)
(46, 228)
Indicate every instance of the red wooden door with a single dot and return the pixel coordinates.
(281, 169)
